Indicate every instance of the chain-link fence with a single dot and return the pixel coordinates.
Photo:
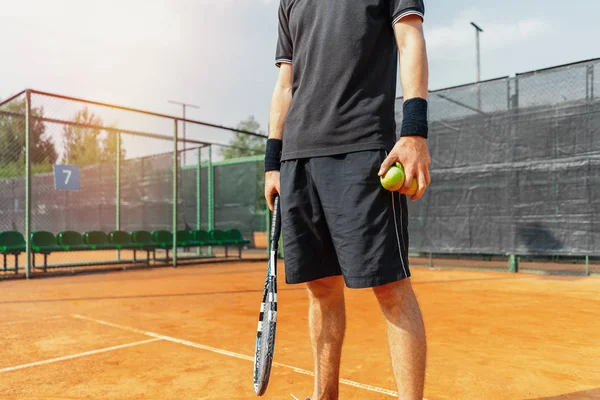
(12, 176)
(112, 186)
(515, 172)
(515, 166)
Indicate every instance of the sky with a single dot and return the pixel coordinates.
(219, 54)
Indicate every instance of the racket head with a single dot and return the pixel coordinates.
(267, 320)
(265, 339)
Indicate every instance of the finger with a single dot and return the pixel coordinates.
(422, 185)
(403, 190)
(386, 164)
(427, 177)
(408, 177)
(270, 198)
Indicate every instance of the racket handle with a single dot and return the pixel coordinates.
(275, 223)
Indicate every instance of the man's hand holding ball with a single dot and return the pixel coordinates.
(406, 168)
(393, 180)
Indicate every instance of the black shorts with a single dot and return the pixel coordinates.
(337, 219)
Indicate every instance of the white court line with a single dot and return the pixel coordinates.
(30, 320)
(87, 353)
(345, 381)
(295, 398)
(232, 354)
(167, 338)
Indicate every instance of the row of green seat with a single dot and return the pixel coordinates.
(45, 243)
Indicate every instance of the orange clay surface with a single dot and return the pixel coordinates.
(188, 333)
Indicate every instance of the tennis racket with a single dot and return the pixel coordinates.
(267, 319)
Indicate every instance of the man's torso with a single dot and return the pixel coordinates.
(345, 69)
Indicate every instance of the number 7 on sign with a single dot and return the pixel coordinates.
(68, 173)
(66, 177)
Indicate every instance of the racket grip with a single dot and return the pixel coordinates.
(275, 223)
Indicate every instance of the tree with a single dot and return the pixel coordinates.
(243, 145)
(109, 147)
(12, 136)
(87, 143)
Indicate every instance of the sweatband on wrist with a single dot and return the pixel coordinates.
(273, 155)
(414, 118)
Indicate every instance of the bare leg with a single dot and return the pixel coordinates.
(327, 324)
(406, 337)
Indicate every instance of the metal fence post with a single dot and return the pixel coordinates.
(513, 263)
(589, 83)
(515, 100)
(211, 195)
(592, 82)
(587, 265)
(143, 193)
(175, 197)
(199, 195)
(27, 186)
(514, 187)
(589, 80)
(508, 93)
(118, 191)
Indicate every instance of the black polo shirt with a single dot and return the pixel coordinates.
(345, 62)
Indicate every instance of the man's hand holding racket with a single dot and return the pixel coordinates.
(271, 187)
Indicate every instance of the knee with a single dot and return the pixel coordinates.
(394, 293)
(325, 288)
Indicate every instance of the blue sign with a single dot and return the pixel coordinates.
(66, 177)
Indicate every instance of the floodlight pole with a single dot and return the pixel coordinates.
(478, 61)
(184, 105)
(477, 31)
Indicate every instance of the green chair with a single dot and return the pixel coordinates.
(186, 239)
(121, 240)
(202, 238)
(12, 242)
(97, 240)
(163, 240)
(43, 242)
(72, 241)
(234, 237)
(143, 239)
(218, 237)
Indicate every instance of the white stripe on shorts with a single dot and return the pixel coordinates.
(397, 234)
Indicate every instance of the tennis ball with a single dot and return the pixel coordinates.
(393, 178)
(413, 188)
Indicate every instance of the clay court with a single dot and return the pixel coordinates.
(188, 333)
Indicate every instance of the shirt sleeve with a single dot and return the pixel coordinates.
(285, 46)
(402, 8)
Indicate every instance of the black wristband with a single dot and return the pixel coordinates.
(273, 155)
(414, 119)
